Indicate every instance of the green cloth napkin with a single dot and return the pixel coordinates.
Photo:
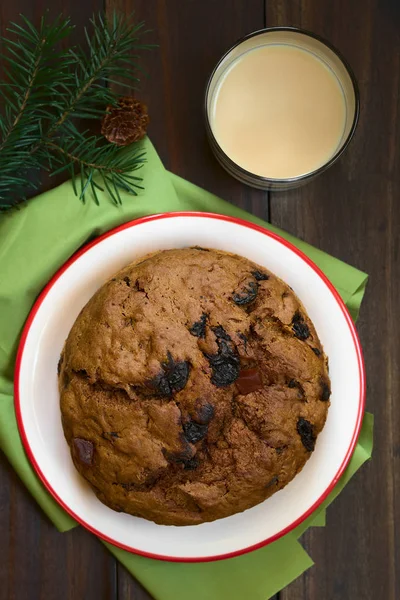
(34, 243)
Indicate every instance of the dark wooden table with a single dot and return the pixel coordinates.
(352, 212)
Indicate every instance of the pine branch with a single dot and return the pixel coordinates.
(25, 98)
(97, 160)
(28, 61)
(47, 90)
(110, 55)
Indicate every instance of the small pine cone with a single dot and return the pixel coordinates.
(125, 123)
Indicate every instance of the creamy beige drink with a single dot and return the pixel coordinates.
(279, 111)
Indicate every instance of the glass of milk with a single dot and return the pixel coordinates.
(281, 106)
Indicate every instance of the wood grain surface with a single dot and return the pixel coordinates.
(352, 211)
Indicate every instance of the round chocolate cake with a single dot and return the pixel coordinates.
(193, 386)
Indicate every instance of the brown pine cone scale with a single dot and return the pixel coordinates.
(126, 122)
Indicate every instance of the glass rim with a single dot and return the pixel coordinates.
(260, 178)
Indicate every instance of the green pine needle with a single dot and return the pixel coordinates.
(47, 89)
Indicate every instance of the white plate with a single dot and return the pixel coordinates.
(37, 398)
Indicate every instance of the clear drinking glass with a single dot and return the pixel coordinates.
(306, 41)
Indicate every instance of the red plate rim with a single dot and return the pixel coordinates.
(243, 223)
